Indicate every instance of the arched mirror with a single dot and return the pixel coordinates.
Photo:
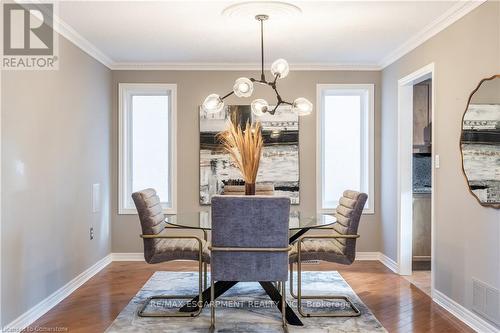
(480, 142)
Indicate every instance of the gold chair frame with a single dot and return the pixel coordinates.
(282, 285)
(202, 280)
(299, 295)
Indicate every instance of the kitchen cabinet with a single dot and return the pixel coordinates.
(422, 116)
(421, 231)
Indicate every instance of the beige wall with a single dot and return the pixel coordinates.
(488, 93)
(467, 235)
(192, 88)
(55, 145)
(59, 135)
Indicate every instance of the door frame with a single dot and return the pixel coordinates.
(1, 325)
(405, 168)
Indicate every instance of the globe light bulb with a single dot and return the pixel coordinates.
(259, 106)
(280, 68)
(213, 104)
(302, 106)
(243, 87)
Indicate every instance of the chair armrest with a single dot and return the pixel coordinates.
(172, 226)
(328, 236)
(198, 239)
(303, 238)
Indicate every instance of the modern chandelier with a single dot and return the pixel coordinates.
(243, 87)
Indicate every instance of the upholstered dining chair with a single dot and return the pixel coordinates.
(160, 246)
(338, 246)
(250, 242)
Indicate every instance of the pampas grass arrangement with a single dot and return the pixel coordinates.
(245, 148)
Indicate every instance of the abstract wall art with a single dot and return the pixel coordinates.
(279, 165)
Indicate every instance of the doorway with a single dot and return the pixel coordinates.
(416, 179)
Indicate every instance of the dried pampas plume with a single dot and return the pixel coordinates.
(245, 148)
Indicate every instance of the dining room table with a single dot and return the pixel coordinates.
(300, 222)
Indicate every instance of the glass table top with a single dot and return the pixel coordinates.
(298, 220)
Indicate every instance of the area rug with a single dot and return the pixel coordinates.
(244, 308)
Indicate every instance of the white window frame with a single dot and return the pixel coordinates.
(126, 91)
(321, 92)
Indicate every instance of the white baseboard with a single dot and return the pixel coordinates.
(465, 315)
(379, 256)
(55, 298)
(26, 319)
(139, 256)
(44, 306)
(388, 262)
(361, 256)
(133, 256)
(367, 256)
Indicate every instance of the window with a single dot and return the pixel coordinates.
(147, 143)
(345, 123)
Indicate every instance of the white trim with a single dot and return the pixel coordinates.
(463, 314)
(361, 256)
(208, 66)
(70, 34)
(33, 314)
(65, 30)
(433, 178)
(388, 262)
(37, 311)
(372, 256)
(55, 298)
(122, 145)
(404, 170)
(320, 88)
(133, 256)
(452, 15)
(1, 213)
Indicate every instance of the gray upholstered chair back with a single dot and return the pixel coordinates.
(348, 214)
(251, 222)
(152, 219)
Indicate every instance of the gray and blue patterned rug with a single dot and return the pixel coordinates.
(244, 308)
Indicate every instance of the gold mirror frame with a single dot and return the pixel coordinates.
(484, 204)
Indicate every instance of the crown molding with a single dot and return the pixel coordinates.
(65, 30)
(452, 15)
(459, 10)
(187, 66)
(74, 37)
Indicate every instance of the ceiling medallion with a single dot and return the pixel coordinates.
(243, 87)
(250, 9)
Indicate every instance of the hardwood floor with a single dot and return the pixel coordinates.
(398, 305)
(421, 279)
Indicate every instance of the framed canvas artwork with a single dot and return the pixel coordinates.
(279, 164)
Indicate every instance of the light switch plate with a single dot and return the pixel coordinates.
(96, 198)
(436, 161)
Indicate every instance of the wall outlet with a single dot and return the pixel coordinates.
(96, 198)
(436, 161)
(91, 233)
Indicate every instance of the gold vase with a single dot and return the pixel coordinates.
(249, 189)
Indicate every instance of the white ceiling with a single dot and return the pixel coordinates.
(183, 33)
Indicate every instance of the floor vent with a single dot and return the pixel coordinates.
(486, 301)
(310, 262)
